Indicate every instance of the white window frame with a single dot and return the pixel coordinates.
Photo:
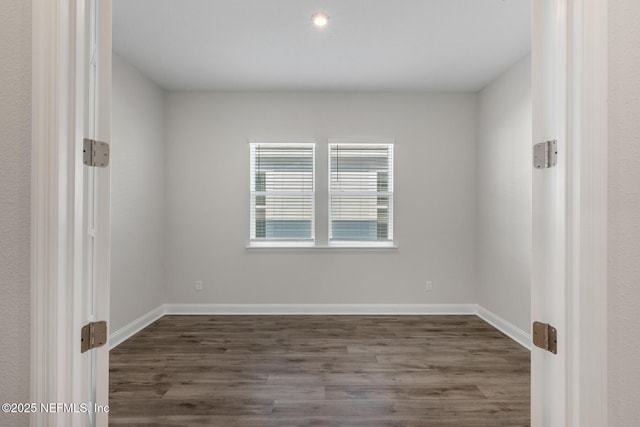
(280, 243)
(387, 142)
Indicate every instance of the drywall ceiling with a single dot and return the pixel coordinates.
(433, 45)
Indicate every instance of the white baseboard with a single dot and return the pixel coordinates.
(507, 328)
(518, 335)
(118, 337)
(317, 309)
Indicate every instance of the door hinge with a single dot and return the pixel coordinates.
(93, 335)
(545, 336)
(95, 153)
(545, 154)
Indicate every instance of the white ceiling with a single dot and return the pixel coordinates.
(433, 45)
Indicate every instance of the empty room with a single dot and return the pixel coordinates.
(321, 213)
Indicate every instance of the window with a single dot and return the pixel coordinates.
(282, 192)
(360, 193)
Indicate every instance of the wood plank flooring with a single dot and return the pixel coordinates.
(279, 371)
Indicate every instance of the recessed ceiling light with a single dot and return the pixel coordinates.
(320, 19)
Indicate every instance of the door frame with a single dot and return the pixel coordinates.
(57, 217)
(55, 274)
(579, 391)
(56, 281)
(586, 210)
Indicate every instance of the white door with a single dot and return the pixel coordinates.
(548, 285)
(96, 203)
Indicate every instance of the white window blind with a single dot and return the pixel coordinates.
(360, 192)
(282, 191)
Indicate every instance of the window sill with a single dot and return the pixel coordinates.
(330, 248)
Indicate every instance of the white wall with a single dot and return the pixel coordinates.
(624, 213)
(208, 196)
(137, 213)
(504, 195)
(15, 172)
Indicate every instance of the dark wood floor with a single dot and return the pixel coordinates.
(282, 371)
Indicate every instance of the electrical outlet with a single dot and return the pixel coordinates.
(198, 285)
(429, 286)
